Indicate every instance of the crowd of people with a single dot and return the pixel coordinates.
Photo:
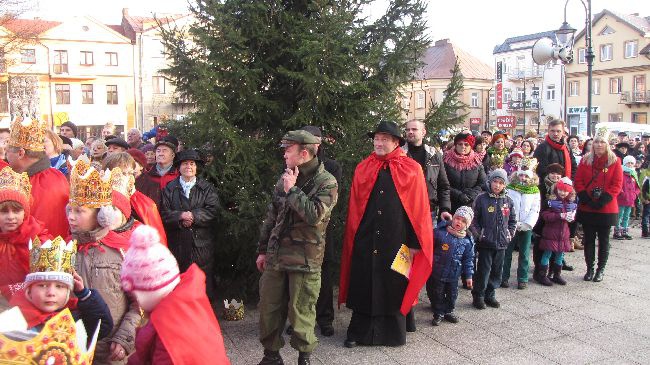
(419, 216)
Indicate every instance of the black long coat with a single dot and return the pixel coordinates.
(203, 203)
(375, 289)
(464, 185)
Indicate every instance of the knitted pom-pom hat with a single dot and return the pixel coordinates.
(148, 265)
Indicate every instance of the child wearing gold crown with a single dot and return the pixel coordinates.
(17, 227)
(97, 215)
(48, 285)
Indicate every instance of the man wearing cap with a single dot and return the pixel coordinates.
(68, 129)
(50, 188)
(325, 304)
(163, 171)
(116, 145)
(434, 172)
(291, 248)
(622, 137)
(487, 137)
(645, 138)
(389, 220)
(621, 150)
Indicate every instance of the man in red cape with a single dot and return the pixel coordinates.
(388, 209)
(50, 188)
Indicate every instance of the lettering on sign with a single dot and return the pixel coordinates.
(474, 121)
(506, 121)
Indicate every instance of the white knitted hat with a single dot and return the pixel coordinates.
(148, 265)
(465, 212)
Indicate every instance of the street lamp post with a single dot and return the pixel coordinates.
(524, 103)
(565, 36)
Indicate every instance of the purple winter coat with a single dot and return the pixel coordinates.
(556, 234)
(629, 192)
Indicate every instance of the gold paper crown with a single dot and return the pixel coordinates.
(57, 343)
(89, 187)
(122, 182)
(28, 134)
(52, 255)
(13, 181)
(529, 163)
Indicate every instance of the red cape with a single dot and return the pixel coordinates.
(50, 192)
(33, 315)
(14, 253)
(147, 210)
(410, 184)
(186, 324)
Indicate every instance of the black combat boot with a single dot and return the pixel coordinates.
(303, 358)
(271, 358)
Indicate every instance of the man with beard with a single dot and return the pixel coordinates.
(434, 172)
(388, 223)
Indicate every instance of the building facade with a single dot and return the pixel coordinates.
(621, 44)
(78, 70)
(526, 92)
(431, 80)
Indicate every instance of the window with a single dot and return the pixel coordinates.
(550, 92)
(60, 62)
(111, 58)
(474, 101)
(607, 30)
(631, 49)
(595, 87)
(507, 95)
(581, 55)
(615, 85)
(420, 100)
(615, 117)
(86, 93)
(62, 93)
(158, 85)
(86, 58)
(606, 52)
(111, 94)
(534, 93)
(406, 102)
(574, 88)
(520, 93)
(641, 118)
(491, 101)
(28, 55)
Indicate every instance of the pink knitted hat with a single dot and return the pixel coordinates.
(148, 265)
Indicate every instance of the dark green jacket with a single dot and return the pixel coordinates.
(293, 234)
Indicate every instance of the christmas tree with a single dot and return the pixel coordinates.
(257, 69)
(450, 112)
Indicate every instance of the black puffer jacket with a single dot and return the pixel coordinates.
(494, 221)
(465, 182)
(203, 203)
(546, 155)
(436, 178)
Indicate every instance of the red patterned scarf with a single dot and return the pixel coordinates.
(567, 155)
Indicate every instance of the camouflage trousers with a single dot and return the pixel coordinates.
(289, 295)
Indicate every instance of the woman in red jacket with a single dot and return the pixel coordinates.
(598, 182)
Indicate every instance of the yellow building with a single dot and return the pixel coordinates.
(432, 79)
(621, 44)
(79, 70)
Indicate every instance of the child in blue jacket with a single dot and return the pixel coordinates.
(454, 252)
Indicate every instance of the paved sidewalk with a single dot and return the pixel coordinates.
(581, 323)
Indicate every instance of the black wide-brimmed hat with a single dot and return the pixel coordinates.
(388, 128)
(623, 144)
(188, 155)
(118, 142)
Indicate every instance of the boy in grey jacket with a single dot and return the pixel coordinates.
(493, 227)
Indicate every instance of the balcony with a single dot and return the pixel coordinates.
(635, 98)
(517, 105)
(528, 74)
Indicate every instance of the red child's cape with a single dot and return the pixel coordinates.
(410, 184)
(148, 213)
(186, 324)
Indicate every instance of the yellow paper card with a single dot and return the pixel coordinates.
(402, 261)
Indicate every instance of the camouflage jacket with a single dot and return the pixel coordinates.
(293, 234)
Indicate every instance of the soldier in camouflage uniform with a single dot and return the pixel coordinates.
(291, 248)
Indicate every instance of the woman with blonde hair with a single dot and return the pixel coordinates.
(598, 182)
(53, 150)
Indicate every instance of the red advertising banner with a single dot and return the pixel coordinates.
(474, 121)
(506, 121)
(499, 96)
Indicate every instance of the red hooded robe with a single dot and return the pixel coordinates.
(50, 195)
(409, 182)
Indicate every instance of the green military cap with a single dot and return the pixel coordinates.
(298, 137)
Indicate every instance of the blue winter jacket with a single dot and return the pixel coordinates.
(451, 255)
(494, 221)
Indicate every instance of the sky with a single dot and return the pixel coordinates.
(473, 25)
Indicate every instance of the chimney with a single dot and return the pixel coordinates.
(125, 12)
(442, 42)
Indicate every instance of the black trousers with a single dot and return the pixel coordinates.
(325, 303)
(442, 295)
(591, 231)
(487, 276)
